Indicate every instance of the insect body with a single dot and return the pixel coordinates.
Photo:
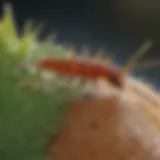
(89, 69)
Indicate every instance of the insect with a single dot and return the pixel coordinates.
(92, 70)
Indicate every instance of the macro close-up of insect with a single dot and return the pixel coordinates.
(89, 92)
(93, 69)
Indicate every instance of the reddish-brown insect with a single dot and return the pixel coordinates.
(89, 69)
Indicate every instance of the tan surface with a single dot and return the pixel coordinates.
(90, 133)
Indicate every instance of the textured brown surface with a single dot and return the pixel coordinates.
(90, 133)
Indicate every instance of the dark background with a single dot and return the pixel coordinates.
(118, 26)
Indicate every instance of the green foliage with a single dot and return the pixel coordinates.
(29, 113)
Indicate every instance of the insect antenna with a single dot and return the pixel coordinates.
(149, 64)
(141, 52)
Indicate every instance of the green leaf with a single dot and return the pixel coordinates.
(29, 113)
(27, 42)
(8, 32)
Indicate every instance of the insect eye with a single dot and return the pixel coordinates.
(115, 81)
